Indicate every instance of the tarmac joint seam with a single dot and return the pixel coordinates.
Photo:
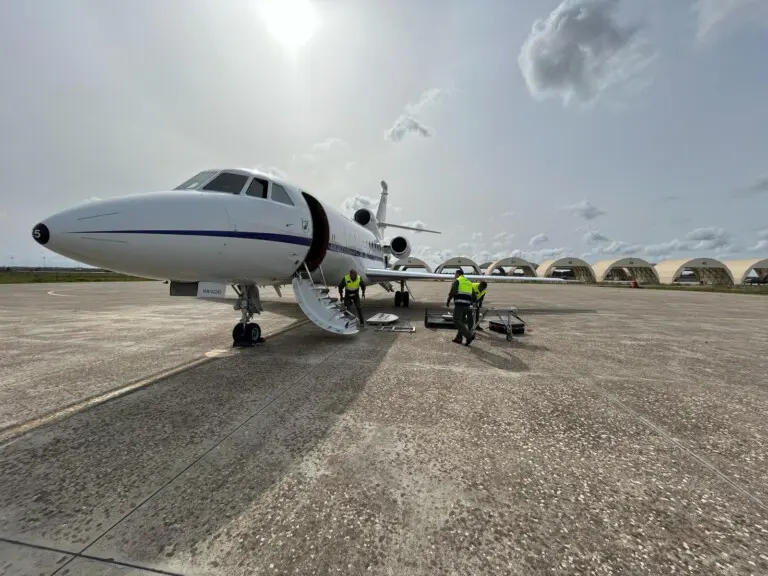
(15, 431)
(88, 557)
(276, 397)
(668, 437)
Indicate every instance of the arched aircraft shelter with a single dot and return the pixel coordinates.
(484, 266)
(740, 269)
(625, 269)
(514, 264)
(582, 271)
(453, 264)
(704, 270)
(410, 262)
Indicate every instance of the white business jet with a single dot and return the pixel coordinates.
(245, 229)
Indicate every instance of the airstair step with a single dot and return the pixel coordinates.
(321, 309)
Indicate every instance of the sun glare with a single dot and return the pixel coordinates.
(291, 22)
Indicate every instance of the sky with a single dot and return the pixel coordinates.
(529, 128)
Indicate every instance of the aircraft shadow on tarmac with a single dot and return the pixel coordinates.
(196, 451)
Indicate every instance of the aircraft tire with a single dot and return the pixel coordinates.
(253, 332)
(406, 299)
(398, 298)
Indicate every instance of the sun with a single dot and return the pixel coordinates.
(291, 22)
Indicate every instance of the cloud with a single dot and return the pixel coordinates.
(593, 237)
(272, 171)
(354, 203)
(538, 239)
(508, 214)
(480, 253)
(415, 224)
(712, 15)
(406, 123)
(763, 234)
(477, 235)
(333, 151)
(761, 246)
(667, 248)
(350, 205)
(759, 186)
(708, 239)
(580, 51)
(615, 248)
(584, 210)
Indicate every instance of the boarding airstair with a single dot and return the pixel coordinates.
(319, 307)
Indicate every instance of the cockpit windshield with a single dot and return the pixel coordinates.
(215, 181)
(198, 180)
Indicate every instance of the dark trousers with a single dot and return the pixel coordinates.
(478, 304)
(350, 299)
(463, 318)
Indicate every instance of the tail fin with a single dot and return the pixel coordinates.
(381, 214)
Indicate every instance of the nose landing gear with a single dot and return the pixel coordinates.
(247, 333)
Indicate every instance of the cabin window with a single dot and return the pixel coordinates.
(257, 188)
(227, 182)
(198, 180)
(280, 195)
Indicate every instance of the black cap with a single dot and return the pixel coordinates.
(41, 234)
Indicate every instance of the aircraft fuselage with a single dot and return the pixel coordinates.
(191, 236)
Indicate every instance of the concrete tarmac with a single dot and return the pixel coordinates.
(624, 435)
(102, 336)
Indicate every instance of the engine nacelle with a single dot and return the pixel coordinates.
(400, 247)
(367, 219)
(363, 216)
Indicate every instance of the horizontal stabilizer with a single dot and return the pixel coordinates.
(385, 225)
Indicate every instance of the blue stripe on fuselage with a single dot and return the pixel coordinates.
(283, 238)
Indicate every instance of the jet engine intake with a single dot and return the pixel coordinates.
(400, 247)
(363, 216)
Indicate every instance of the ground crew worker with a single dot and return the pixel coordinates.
(480, 288)
(462, 293)
(350, 287)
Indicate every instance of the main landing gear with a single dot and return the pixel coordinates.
(402, 296)
(245, 332)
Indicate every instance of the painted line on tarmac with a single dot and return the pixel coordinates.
(53, 293)
(18, 430)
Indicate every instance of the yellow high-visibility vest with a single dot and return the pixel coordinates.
(351, 285)
(463, 296)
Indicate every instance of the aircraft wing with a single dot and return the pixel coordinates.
(382, 274)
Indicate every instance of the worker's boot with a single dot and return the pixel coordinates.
(458, 339)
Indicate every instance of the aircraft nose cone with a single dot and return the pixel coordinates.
(41, 234)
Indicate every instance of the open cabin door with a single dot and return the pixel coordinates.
(321, 233)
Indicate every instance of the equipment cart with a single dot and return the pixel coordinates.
(507, 321)
(438, 318)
